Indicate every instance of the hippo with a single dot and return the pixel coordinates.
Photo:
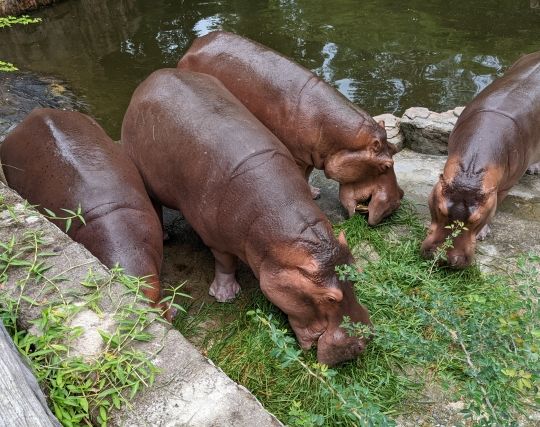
(200, 151)
(320, 127)
(62, 159)
(495, 140)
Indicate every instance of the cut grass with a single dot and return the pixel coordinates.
(476, 336)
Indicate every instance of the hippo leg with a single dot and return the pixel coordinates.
(224, 287)
(484, 232)
(534, 169)
(159, 210)
(315, 192)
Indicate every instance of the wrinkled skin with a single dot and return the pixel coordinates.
(496, 139)
(61, 159)
(239, 188)
(319, 126)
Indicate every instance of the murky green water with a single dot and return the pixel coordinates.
(385, 55)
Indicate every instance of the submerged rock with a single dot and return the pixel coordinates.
(21, 92)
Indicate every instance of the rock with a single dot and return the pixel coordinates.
(90, 343)
(16, 7)
(21, 92)
(427, 132)
(393, 131)
(364, 253)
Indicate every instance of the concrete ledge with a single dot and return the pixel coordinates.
(189, 391)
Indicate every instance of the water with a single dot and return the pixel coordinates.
(384, 55)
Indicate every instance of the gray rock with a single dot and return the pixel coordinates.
(21, 92)
(364, 253)
(426, 131)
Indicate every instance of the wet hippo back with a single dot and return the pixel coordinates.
(229, 171)
(515, 98)
(495, 140)
(321, 128)
(61, 159)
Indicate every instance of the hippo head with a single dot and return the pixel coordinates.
(301, 280)
(380, 197)
(366, 174)
(463, 199)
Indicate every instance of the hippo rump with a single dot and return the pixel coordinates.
(495, 140)
(62, 159)
(319, 126)
(202, 152)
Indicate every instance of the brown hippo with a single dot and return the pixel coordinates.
(61, 159)
(319, 126)
(494, 141)
(202, 152)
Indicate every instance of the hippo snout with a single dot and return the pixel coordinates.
(337, 347)
(459, 260)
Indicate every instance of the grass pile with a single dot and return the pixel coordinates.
(474, 336)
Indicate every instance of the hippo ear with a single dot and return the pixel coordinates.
(342, 239)
(310, 267)
(333, 295)
(377, 146)
(381, 124)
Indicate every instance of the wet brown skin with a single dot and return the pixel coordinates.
(319, 126)
(202, 152)
(62, 159)
(495, 140)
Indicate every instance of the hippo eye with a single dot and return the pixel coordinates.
(333, 295)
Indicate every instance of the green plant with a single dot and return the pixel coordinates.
(8, 21)
(473, 337)
(351, 402)
(80, 390)
(7, 66)
(77, 214)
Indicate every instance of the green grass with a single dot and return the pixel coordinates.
(475, 336)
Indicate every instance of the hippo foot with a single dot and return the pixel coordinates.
(225, 289)
(484, 232)
(167, 312)
(534, 169)
(315, 192)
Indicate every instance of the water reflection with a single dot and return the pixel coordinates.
(207, 25)
(381, 54)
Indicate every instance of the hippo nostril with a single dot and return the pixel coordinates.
(457, 261)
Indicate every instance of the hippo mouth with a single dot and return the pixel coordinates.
(362, 206)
